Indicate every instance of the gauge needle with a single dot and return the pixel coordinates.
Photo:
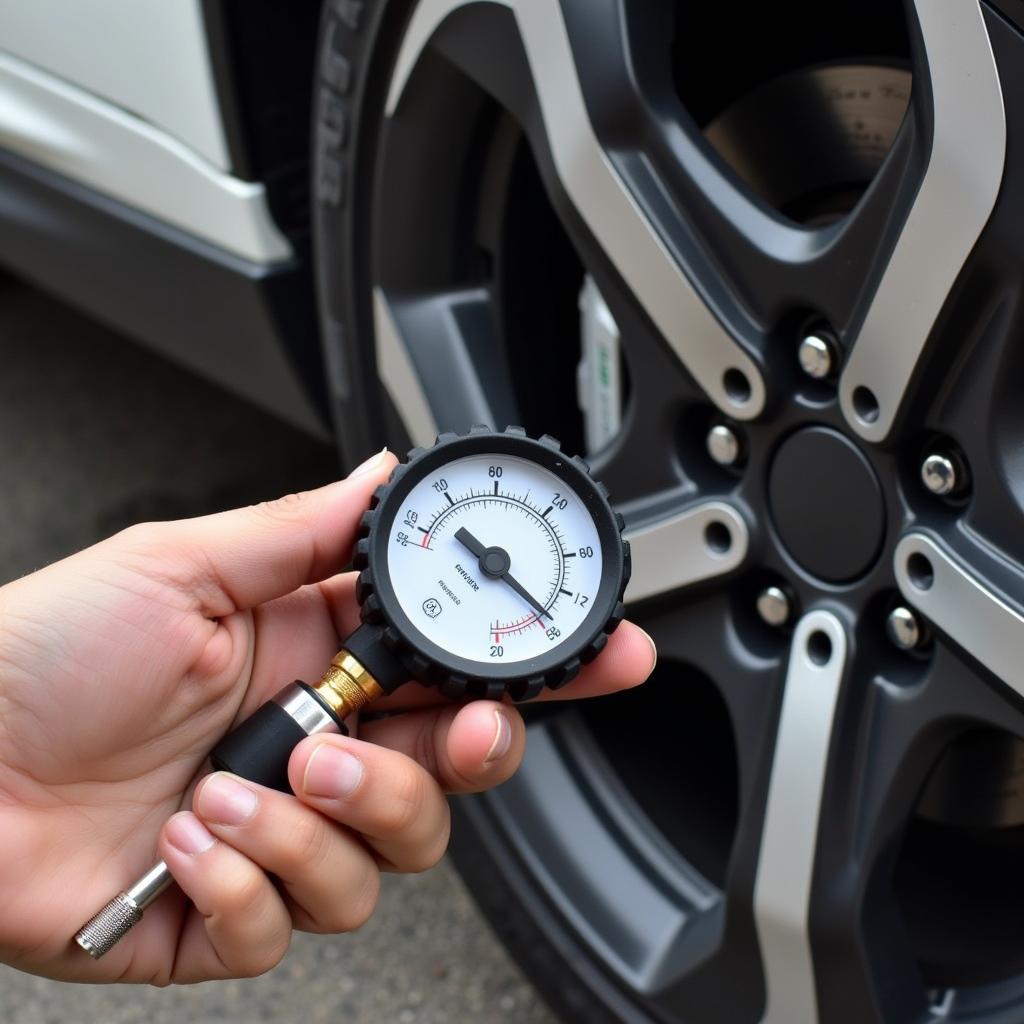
(495, 563)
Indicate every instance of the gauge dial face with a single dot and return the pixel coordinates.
(495, 559)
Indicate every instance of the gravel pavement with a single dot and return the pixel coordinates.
(96, 433)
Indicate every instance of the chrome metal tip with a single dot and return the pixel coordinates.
(106, 929)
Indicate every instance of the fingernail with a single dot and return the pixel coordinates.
(654, 649)
(188, 834)
(226, 801)
(332, 773)
(502, 738)
(371, 463)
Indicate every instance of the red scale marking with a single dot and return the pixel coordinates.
(515, 627)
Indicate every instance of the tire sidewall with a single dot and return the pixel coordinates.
(356, 46)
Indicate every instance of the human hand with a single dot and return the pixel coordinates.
(121, 666)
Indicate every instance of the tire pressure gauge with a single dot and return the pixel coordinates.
(495, 565)
(489, 565)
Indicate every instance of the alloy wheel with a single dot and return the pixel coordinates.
(796, 243)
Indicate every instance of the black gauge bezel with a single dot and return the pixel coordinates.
(428, 661)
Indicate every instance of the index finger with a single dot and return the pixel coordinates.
(235, 560)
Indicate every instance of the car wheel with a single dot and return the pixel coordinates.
(762, 265)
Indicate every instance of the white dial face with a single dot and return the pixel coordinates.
(494, 559)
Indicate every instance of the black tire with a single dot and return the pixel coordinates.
(354, 43)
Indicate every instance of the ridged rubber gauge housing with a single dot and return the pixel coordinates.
(442, 564)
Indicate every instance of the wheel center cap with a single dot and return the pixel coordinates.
(827, 504)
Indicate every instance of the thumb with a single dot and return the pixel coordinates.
(236, 560)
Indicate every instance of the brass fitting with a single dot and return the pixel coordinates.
(346, 686)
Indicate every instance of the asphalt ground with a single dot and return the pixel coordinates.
(96, 433)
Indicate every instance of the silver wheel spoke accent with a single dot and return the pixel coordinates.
(962, 606)
(696, 544)
(782, 891)
(604, 202)
(955, 200)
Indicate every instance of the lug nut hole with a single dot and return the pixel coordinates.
(717, 537)
(865, 405)
(920, 571)
(819, 647)
(737, 387)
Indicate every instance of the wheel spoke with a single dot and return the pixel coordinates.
(452, 369)
(398, 374)
(953, 204)
(913, 840)
(753, 265)
(704, 541)
(782, 891)
(962, 606)
(646, 942)
(838, 898)
(595, 188)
